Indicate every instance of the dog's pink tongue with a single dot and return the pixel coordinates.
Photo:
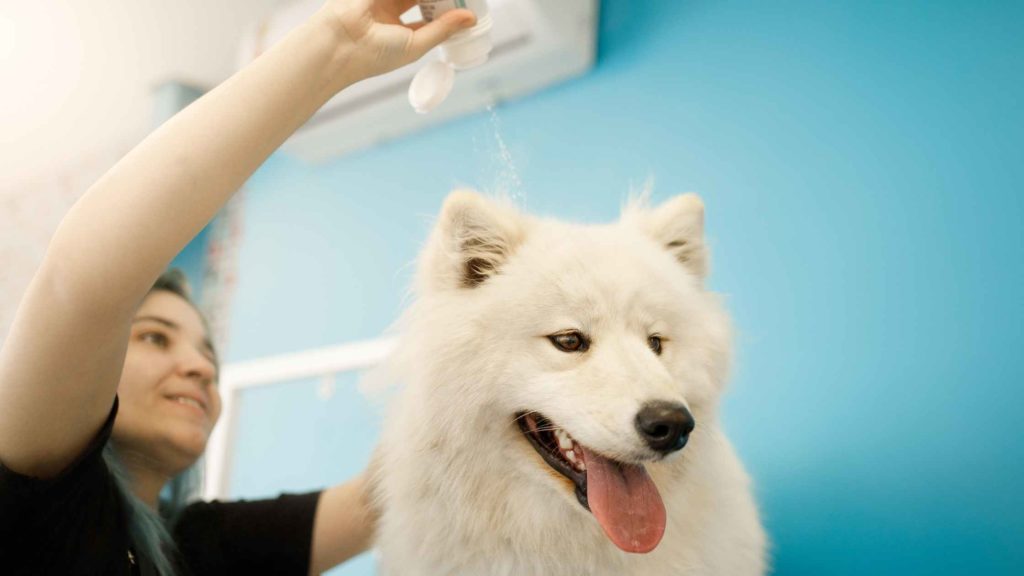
(625, 502)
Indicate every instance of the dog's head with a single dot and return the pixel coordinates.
(596, 348)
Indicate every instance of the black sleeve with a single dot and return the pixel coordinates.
(272, 536)
(71, 524)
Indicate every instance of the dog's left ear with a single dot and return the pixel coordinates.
(678, 225)
(473, 238)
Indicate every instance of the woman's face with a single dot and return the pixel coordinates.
(168, 390)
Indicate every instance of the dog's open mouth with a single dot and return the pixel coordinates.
(558, 449)
(622, 496)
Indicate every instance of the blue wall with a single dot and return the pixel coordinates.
(862, 167)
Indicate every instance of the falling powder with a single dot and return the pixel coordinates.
(507, 181)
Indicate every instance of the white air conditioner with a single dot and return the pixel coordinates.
(537, 43)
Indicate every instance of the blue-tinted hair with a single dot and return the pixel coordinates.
(149, 529)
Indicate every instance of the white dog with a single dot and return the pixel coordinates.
(554, 374)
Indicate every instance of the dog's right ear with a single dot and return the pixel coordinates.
(473, 237)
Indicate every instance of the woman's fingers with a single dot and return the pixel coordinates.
(427, 36)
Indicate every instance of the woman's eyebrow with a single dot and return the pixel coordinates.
(156, 319)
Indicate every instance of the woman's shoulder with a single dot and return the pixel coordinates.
(86, 471)
(72, 523)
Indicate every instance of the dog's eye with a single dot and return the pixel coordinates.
(655, 343)
(570, 342)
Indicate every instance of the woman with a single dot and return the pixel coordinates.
(98, 351)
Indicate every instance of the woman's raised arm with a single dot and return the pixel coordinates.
(62, 360)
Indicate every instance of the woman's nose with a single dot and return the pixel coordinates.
(196, 365)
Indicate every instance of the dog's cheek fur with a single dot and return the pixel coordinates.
(704, 353)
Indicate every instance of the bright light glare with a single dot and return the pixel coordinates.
(7, 38)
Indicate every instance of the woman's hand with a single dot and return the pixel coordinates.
(344, 524)
(378, 42)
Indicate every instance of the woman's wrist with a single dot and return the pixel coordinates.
(325, 29)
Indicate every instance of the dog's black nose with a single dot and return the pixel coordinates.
(665, 426)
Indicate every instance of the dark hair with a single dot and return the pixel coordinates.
(174, 280)
(148, 528)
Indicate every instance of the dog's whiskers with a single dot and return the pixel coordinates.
(522, 415)
(548, 428)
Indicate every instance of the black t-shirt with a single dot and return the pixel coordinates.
(76, 523)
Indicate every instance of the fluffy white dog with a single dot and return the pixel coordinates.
(554, 374)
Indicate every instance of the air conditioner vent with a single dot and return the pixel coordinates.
(537, 43)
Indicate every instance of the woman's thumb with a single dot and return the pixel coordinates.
(441, 29)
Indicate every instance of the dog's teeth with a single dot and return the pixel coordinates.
(564, 442)
(569, 448)
(578, 462)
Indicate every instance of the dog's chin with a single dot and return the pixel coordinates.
(559, 450)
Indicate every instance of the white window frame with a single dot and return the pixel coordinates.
(296, 366)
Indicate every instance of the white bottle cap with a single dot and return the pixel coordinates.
(431, 86)
(469, 48)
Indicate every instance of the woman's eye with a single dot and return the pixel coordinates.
(570, 342)
(655, 343)
(155, 338)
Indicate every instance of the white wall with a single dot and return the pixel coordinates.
(75, 96)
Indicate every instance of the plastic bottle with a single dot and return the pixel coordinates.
(467, 49)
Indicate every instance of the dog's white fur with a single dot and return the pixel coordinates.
(460, 489)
